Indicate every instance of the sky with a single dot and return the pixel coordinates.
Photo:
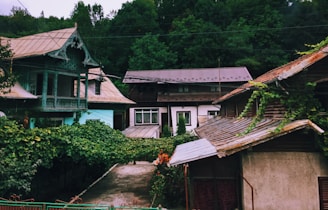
(57, 8)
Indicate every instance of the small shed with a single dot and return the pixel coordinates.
(264, 169)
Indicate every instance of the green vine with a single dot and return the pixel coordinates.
(300, 103)
(264, 95)
(314, 47)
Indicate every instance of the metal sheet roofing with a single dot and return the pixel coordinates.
(143, 131)
(191, 151)
(50, 43)
(17, 92)
(108, 91)
(38, 44)
(226, 133)
(201, 75)
(191, 97)
(280, 73)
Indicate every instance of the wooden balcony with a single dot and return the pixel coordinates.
(63, 104)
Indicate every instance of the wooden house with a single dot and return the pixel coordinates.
(105, 102)
(267, 168)
(162, 96)
(47, 66)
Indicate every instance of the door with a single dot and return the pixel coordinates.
(220, 194)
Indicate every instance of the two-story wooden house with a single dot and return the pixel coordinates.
(267, 168)
(47, 66)
(162, 96)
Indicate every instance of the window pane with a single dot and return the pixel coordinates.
(154, 118)
(187, 118)
(146, 118)
(138, 118)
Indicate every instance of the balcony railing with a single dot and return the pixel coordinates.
(64, 104)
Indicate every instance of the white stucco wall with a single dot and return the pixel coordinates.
(282, 180)
(132, 116)
(193, 117)
(203, 109)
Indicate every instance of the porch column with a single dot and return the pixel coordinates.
(44, 89)
(55, 87)
(78, 89)
(86, 88)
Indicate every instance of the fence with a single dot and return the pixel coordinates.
(19, 205)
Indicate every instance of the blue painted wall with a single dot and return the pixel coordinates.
(106, 116)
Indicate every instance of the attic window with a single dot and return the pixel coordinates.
(183, 89)
(97, 87)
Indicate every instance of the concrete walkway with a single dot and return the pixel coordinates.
(125, 185)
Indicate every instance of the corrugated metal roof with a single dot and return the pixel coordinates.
(108, 91)
(280, 73)
(201, 75)
(143, 131)
(191, 151)
(16, 92)
(38, 44)
(224, 133)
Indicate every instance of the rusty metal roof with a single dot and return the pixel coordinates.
(108, 91)
(191, 151)
(201, 75)
(16, 92)
(280, 73)
(226, 133)
(142, 131)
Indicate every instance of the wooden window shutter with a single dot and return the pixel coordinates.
(323, 192)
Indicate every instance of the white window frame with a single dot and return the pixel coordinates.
(184, 114)
(213, 112)
(147, 116)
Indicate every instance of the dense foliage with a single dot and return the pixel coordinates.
(258, 34)
(90, 148)
(7, 78)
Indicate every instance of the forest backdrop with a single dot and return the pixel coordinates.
(173, 34)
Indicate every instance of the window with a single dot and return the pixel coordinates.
(97, 87)
(215, 89)
(146, 116)
(213, 113)
(183, 89)
(185, 115)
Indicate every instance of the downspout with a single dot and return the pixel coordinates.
(252, 190)
(185, 169)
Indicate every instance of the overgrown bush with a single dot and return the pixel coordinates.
(167, 186)
(91, 148)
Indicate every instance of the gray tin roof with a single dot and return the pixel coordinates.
(201, 75)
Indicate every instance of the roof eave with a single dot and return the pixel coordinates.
(264, 136)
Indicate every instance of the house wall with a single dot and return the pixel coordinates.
(132, 116)
(193, 117)
(203, 115)
(282, 180)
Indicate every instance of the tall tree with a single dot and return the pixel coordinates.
(81, 16)
(150, 53)
(306, 22)
(134, 20)
(197, 42)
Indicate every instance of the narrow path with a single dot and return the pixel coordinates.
(125, 185)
